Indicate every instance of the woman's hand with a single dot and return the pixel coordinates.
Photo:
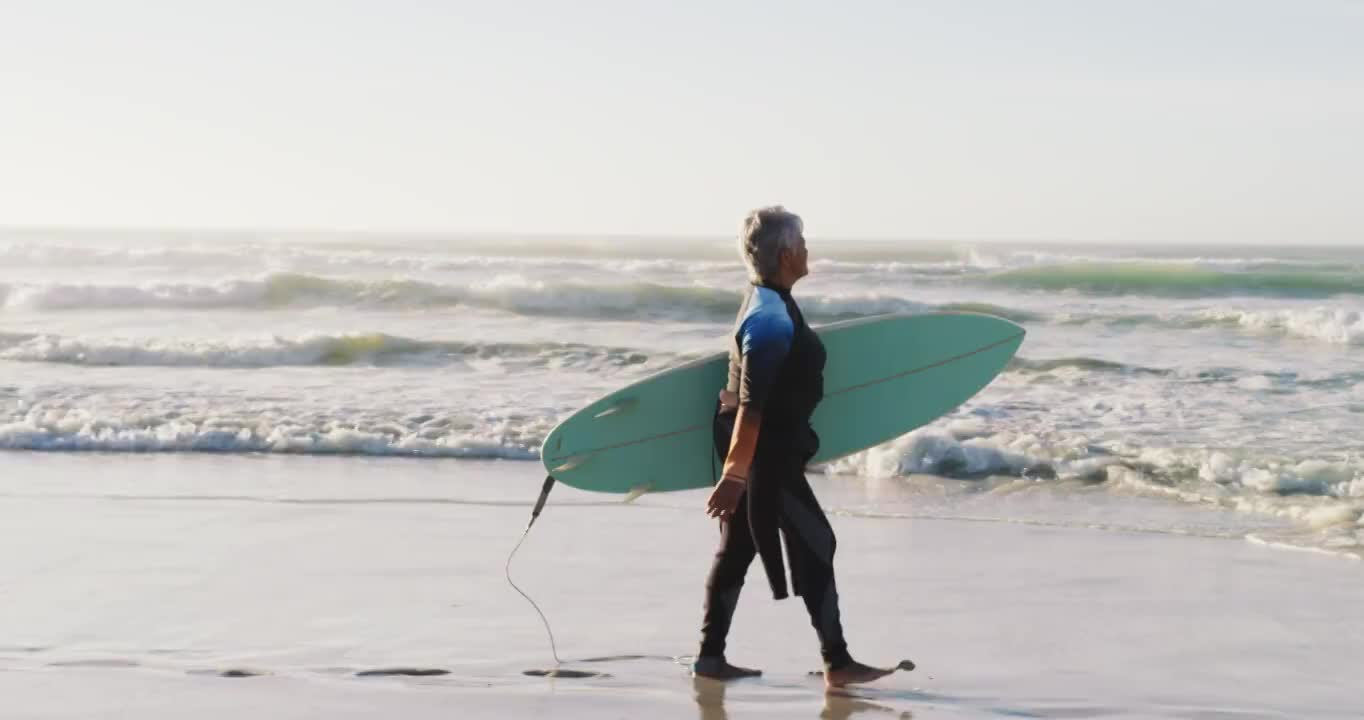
(729, 401)
(724, 500)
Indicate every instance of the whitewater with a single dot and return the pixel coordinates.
(1205, 379)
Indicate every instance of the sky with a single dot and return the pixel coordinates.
(1151, 121)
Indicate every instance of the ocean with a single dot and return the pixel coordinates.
(1156, 383)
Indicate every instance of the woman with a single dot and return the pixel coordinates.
(776, 378)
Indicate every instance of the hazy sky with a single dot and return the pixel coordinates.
(1178, 121)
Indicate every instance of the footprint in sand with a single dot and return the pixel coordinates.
(403, 671)
(97, 663)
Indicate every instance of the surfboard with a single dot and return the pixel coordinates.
(884, 377)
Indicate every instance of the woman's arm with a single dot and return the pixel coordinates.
(765, 339)
(725, 498)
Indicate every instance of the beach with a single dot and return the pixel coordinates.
(300, 302)
(138, 586)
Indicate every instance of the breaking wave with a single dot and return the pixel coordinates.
(1178, 280)
(509, 292)
(312, 350)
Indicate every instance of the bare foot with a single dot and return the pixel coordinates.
(716, 668)
(853, 673)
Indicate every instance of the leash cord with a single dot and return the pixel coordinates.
(535, 513)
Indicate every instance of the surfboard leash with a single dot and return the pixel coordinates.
(535, 514)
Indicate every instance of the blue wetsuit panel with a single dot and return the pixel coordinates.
(765, 335)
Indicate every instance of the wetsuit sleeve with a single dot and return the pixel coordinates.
(764, 340)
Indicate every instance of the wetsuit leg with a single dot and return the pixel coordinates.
(810, 544)
(726, 579)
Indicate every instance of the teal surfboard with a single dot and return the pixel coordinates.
(884, 376)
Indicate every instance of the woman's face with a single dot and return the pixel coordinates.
(796, 260)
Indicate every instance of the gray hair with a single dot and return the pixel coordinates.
(767, 231)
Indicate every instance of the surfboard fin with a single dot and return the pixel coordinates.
(572, 462)
(619, 406)
(636, 492)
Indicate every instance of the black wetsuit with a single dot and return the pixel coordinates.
(776, 366)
